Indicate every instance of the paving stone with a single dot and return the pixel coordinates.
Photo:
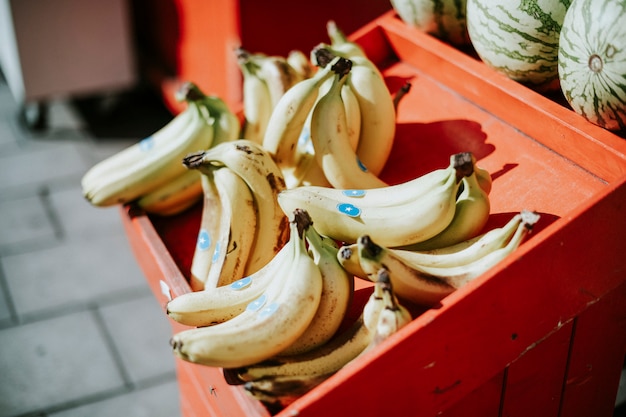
(77, 273)
(159, 401)
(78, 219)
(140, 331)
(40, 165)
(24, 221)
(51, 362)
(5, 311)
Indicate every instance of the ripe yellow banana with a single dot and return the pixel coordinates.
(289, 116)
(470, 217)
(378, 112)
(407, 222)
(392, 317)
(341, 43)
(176, 196)
(277, 323)
(300, 62)
(255, 165)
(217, 305)
(154, 161)
(337, 290)
(207, 234)
(325, 359)
(331, 139)
(236, 232)
(277, 73)
(257, 102)
(348, 256)
(427, 285)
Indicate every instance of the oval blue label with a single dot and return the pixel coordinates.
(204, 240)
(216, 253)
(349, 209)
(241, 283)
(354, 193)
(146, 144)
(269, 310)
(257, 304)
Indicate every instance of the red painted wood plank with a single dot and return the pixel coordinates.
(597, 356)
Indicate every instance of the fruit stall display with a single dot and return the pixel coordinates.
(408, 221)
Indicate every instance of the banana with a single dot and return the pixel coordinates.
(341, 43)
(154, 161)
(331, 140)
(217, 305)
(348, 256)
(276, 393)
(174, 197)
(378, 112)
(251, 338)
(207, 234)
(409, 285)
(236, 232)
(470, 217)
(461, 253)
(289, 116)
(410, 221)
(392, 317)
(255, 165)
(277, 73)
(325, 359)
(300, 62)
(337, 289)
(227, 125)
(257, 102)
(427, 285)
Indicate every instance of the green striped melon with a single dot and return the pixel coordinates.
(519, 38)
(592, 61)
(444, 19)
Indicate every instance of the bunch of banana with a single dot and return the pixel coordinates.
(279, 380)
(396, 215)
(426, 277)
(265, 80)
(154, 161)
(270, 323)
(149, 172)
(242, 226)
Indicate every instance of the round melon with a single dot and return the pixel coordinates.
(592, 61)
(444, 19)
(519, 38)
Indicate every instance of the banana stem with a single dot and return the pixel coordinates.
(463, 164)
(400, 94)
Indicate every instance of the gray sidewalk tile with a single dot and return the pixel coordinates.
(158, 401)
(140, 331)
(24, 221)
(75, 274)
(51, 362)
(78, 219)
(43, 164)
(5, 311)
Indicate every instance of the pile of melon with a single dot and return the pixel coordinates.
(578, 46)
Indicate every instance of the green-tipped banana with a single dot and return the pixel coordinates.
(153, 162)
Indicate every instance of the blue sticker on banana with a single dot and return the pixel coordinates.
(204, 240)
(354, 193)
(241, 284)
(146, 144)
(216, 253)
(348, 209)
(257, 304)
(361, 165)
(269, 310)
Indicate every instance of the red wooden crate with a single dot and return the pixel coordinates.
(543, 333)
